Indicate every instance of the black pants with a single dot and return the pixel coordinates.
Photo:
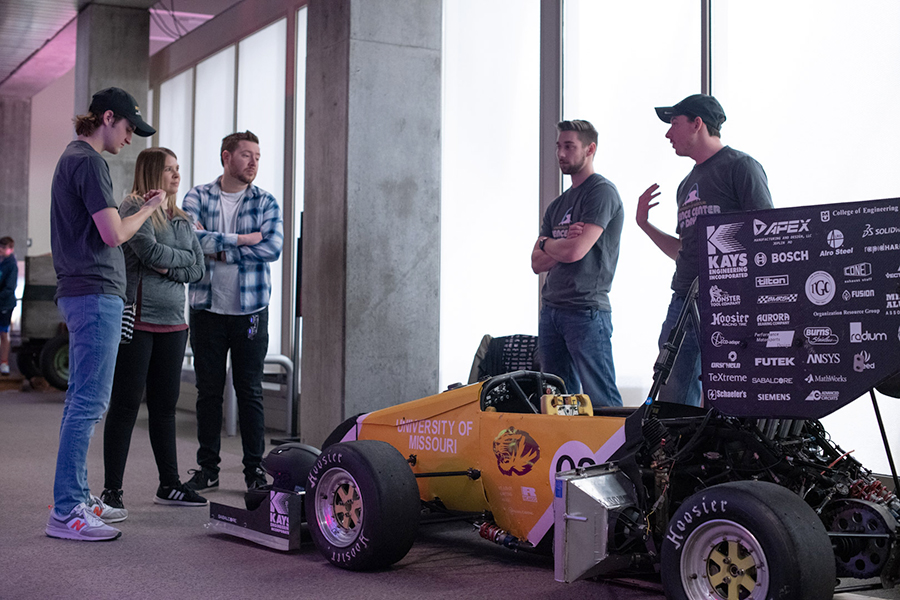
(247, 337)
(152, 360)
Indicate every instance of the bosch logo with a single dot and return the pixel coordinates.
(786, 257)
(820, 288)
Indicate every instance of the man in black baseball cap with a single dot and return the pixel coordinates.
(122, 104)
(722, 180)
(698, 105)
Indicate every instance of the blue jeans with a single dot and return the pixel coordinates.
(576, 345)
(95, 328)
(683, 385)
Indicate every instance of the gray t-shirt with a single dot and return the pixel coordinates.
(84, 263)
(585, 283)
(728, 181)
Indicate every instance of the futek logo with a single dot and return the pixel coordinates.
(779, 227)
(774, 361)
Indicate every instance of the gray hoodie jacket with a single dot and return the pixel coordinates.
(174, 248)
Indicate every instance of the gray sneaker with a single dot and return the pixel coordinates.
(107, 513)
(80, 524)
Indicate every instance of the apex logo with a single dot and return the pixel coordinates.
(779, 227)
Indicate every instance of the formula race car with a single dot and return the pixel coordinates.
(747, 498)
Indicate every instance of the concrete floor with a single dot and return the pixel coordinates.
(170, 552)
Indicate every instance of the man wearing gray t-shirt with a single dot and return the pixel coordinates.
(723, 180)
(578, 248)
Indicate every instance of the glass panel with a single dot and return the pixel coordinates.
(214, 117)
(299, 157)
(489, 217)
(260, 109)
(618, 65)
(175, 98)
(148, 115)
(815, 104)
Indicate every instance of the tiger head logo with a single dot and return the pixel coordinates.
(516, 451)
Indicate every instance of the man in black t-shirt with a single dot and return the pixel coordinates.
(86, 233)
(578, 249)
(723, 180)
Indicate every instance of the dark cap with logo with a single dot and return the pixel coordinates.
(698, 105)
(123, 104)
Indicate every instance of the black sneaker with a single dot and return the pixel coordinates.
(202, 480)
(179, 495)
(112, 498)
(255, 479)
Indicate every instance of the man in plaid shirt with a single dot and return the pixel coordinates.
(240, 230)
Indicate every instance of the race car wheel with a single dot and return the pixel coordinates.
(746, 540)
(362, 505)
(54, 361)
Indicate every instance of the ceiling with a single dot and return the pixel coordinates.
(38, 37)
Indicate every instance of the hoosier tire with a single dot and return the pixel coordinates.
(746, 540)
(362, 505)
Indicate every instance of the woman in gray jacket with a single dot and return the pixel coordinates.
(159, 260)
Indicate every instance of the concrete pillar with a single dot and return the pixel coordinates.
(371, 226)
(15, 150)
(113, 49)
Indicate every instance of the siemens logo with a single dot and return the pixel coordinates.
(773, 397)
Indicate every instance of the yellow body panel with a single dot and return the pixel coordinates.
(518, 455)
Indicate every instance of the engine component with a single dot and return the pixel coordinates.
(865, 555)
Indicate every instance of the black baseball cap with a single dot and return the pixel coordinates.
(123, 104)
(698, 105)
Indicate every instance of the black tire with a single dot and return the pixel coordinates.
(27, 362)
(362, 505)
(55, 361)
(340, 431)
(747, 540)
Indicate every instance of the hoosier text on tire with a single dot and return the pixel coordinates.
(363, 505)
(746, 540)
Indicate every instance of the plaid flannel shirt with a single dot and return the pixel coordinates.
(259, 211)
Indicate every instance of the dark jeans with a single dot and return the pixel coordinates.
(153, 359)
(247, 337)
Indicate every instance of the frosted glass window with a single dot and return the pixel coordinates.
(260, 109)
(299, 156)
(816, 105)
(489, 180)
(214, 117)
(617, 66)
(175, 98)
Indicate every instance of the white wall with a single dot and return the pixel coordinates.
(51, 130)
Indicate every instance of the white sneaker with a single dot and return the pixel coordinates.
(80, 524)
(107, 513)
(4, 368)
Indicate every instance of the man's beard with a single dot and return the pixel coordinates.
(243, 178)
(571, 168)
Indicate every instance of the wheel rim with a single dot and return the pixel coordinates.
(339, 507)
(61, 362)
(722, 560)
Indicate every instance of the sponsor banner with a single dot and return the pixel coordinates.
(799, 307)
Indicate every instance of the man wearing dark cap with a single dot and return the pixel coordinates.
(723, 180)
(86, 233)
